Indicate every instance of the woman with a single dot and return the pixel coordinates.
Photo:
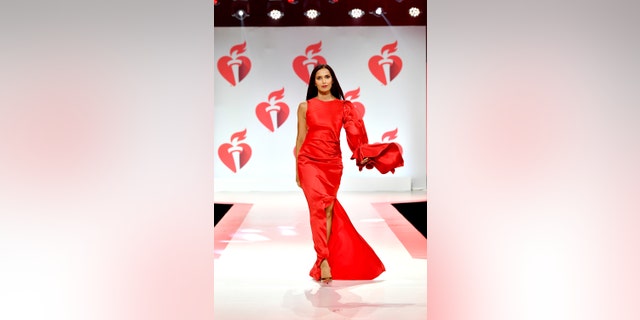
(342, 254)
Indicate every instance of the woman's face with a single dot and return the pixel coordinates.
(323, 80)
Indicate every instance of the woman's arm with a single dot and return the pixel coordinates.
(302, 132)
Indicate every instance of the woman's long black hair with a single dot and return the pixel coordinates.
(312, 90)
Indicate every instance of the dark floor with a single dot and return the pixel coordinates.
(219, 210)
(415, 213)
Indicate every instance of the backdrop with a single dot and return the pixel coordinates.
(261, 75)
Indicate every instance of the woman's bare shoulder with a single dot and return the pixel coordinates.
(302, 105)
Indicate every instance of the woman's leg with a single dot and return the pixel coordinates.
(329, 212)
(324, 266)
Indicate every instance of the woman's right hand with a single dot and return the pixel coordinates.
(298, 181)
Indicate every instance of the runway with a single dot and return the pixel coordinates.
(263, 254)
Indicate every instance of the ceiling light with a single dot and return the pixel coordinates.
(414, 12)
(275, 14)
(240, 9)
(311, 8)
(240, 14)
(356, 8)
(275, 9)
(312, 13)
(356, 13)
(377, 7)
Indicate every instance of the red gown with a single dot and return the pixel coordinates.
(319, 164)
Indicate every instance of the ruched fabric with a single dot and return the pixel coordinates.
(385, 157)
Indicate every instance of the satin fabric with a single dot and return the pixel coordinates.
(319, 163)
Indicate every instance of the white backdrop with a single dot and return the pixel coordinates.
(259, 83)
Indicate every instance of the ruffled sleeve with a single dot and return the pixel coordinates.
(385, 157)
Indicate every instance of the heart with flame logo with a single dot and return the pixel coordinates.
(304, 64)
(352, 95)
(275, 108)
(235, 152)
(386, 67)
(235, 67)
(389, 136)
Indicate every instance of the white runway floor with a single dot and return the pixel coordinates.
(261, 269)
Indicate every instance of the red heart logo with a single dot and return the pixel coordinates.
(264, 110)
(226, 157)
(386, 67)
(229, 152)
(358, 107)
(235, 67)
(304, 64)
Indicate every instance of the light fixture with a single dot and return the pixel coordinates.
(377, 7)
(414, 12)
(275, 14)
(356, 8)
(312, 13)
(356, 13)
(275, 9)
(240, 9)
(311, 9)
(216, 2)
(333, 1)
(240, 14)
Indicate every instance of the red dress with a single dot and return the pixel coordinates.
(320, 169)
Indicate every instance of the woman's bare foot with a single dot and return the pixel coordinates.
(325, 271)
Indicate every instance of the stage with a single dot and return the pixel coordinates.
(263, 254)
